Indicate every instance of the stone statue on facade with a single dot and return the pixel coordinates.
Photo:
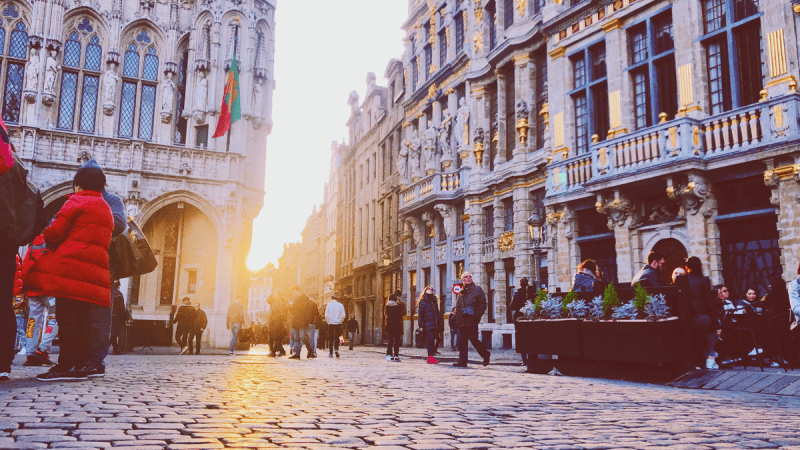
(402, 162)
(167, 98)
(415, 149)
(51, 73)
(447, 222)
(444, 139)
(430, 149)
(258, 96)
(461, 128)
(200, 97)
(110, 79)
(32, 76)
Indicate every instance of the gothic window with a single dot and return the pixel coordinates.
(734, 50)
(488, 213)
(80, 79)
(442, 48)
(15, 66)
(139, 82)
(460, 33)
(540, 62)
(180, 121)
(508, 214)
(205, 43)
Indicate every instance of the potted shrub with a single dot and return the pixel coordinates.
(544, 328)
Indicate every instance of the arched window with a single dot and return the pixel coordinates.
(15, 67)
(80, 80)
(180, 121)
(142, 78)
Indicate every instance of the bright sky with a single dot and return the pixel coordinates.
(323, 51)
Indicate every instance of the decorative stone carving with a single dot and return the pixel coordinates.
(522, 121)
(167, 98)
(32, 76)
(446, 211)
(478, 146)
(693, 196)
(444, 139)
(779, 122)
(430, 149)
(416, 229)
(51, 72)
(402, 162)
(618, 210)
(258, 95)
(461, 128)
(200, 97)
(110, 80)
(506, 241)
(415, 151)
(429, 223)
(459, 248)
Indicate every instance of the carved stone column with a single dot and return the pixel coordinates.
(477, 222)
(561, 253)
(785, 184)
(503, 141)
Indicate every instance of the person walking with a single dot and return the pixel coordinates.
(453, 330)
(430, 320)
(278, 310)
(234, 322)
(395, 311)
(184, 319)
(198, 327)
(304, 313)
(520, 297)
(320, 329)
(334, 315)
(119, 317)
(470, 306)
(76, 272)
(648, 276)
(705, 314)
(352, 329)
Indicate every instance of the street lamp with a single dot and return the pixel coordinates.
(386, 259)
(537, 231)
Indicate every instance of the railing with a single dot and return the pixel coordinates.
(433, 184)
(488, 245)
(741, 130)
(121, 154)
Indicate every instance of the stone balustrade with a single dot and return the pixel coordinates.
(740, 130)
(125, 155)
(438, 185)
(488, 245)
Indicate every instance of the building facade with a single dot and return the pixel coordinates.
(262, 286)
(136, 86)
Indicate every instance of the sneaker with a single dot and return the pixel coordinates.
(294, 357)
(30, 361)
(330, 355)
(486, 359)
(312, 355)
(711, 364)
(230, 353)
(22, 352)
(94, 372)
(755, 352)
(337, 354)
(389, 358)
(184, 349)
(5, 376)
(42, 357)
(458, 364)
(59, 374)
(432, 360)
(396, 359)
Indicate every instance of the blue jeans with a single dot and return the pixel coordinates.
(430, 341)
(43, 314)
(19, 341)
(235, 328)
(304, 335)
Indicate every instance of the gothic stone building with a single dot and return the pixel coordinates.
(631, 126)
(136, 85)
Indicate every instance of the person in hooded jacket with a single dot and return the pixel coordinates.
(585, 280)
(42, 312)
(430, 320)
(395, 310)
(75, 270)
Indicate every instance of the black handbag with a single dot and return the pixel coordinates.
(130, 253)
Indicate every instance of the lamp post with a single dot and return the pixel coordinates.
(537, 231)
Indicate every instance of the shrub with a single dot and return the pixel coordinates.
(541, 297)
(640, 297)
(551, 308)
(627, 311)
(657, 308)
(578, 309)
(529, 310)
(610, 299)
(569, 298)
(597, 309)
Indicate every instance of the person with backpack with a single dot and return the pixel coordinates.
(198, 327)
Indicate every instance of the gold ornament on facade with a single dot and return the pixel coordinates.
(792, 87)
(465, 218)
(522, 128)
(662, 118)
(554, 217)
(545, 113)
(763, 93)
(521, 7)
(478, 147)
(478, 11)
(478, 39)
(506, 241)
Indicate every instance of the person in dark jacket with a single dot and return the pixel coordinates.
(395, 311)
(119, 316)
(430, 320)
(705, 313)
(454, 337)
(648, 276)
(352, 329)
(321, 328)
(585, 280)
(198, 327)
(184, 319)
(304, 313)
(520, 297)
(278, 312)
(76, 271)
(773, 323)
(470, 306)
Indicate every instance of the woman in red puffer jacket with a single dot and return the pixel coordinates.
(75, 270)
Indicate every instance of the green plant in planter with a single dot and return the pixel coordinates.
(610, 299)
(569, 298)
(528, 311)
(628, 311)
(596, 309)
(541, 297)
(640, 297)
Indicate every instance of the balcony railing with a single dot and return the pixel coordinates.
(733, 132)
(487, 245)
(432, 184)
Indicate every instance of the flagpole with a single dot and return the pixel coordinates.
(235, 47)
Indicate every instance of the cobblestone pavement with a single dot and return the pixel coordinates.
(361, 400)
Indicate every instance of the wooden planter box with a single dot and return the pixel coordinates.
(639, 341)
(560, 337)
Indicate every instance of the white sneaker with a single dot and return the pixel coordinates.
(755, 351)
(230, 353)
(5, 376)
(22, 352)
(396, 359)
(711, 364)
(389, 358)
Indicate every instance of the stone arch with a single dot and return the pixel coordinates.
(73, 18)
(664, 233)
(191, 198)
(131, 31)
(227, 31)
(56, 192)
(25, 14)
(675, 251)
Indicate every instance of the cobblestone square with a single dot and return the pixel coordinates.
(361, 400)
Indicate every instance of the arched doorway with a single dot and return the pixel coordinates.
(675, 257)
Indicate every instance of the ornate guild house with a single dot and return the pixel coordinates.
(137, 85)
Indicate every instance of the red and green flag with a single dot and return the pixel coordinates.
(231, 109)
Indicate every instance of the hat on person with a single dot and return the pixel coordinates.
(186, 301)
(334, 296)
(90, 177)
(523, 281)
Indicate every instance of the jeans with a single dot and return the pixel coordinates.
(235, 328)
(195, 337)
(117, 326)
(74, 323)
(99, 335)
(430, 341)
(334, 331)
(303, 336)
(394, 338)
(19, 340)
(352, 339)
(42, 312)
(8, 328)
(453, 337)
(465, 336)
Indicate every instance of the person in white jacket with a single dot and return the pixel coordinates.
(334, 316)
